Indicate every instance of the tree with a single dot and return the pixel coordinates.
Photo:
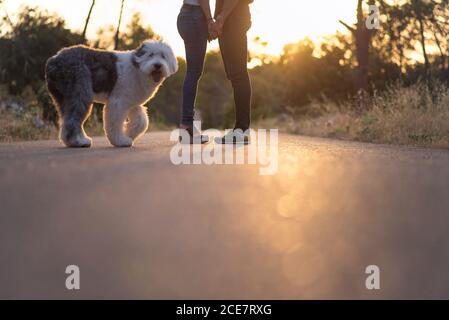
(308, 77)
(133, 36)
(136, 32)
(25, 49)
(88, 19)
(362, 39)
(421, 10)
(440, 28)
(117, 33)
(418, 26)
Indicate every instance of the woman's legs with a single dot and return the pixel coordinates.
(192, 27)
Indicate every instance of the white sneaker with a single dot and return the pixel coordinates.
(235, 137)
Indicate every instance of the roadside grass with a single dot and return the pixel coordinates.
(27, 126)
(401, 115)
(16, 126)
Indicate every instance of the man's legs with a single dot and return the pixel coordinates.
(234, 50)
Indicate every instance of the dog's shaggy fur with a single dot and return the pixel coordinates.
(123, 81)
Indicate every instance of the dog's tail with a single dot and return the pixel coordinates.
(52, 73)
(137, 123)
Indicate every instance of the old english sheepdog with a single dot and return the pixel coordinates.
(122, 81)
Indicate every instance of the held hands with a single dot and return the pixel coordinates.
(216, 28)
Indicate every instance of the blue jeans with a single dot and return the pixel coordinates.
(192, 26)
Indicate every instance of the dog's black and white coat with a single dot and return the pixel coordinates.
(123, 81)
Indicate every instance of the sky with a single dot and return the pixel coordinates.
(277, 22)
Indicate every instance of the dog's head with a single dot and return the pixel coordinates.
(156, 59)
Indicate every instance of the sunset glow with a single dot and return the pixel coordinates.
(276, 22)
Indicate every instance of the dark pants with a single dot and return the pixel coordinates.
(234, 50)
(192, 27)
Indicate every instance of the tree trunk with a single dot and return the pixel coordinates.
(401, 62)
(363, 41)
(117, 34)
(88, 19)
(362, 38)
(442, 55)
(424, 50)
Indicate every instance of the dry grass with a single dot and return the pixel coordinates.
(400, 115)
(404, 116)
(22, 127)
(26, 126)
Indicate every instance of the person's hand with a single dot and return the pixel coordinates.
(216, 28)
(212, 31)
(219, 25)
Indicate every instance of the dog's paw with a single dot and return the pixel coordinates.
(123, 142)
(79, 142)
